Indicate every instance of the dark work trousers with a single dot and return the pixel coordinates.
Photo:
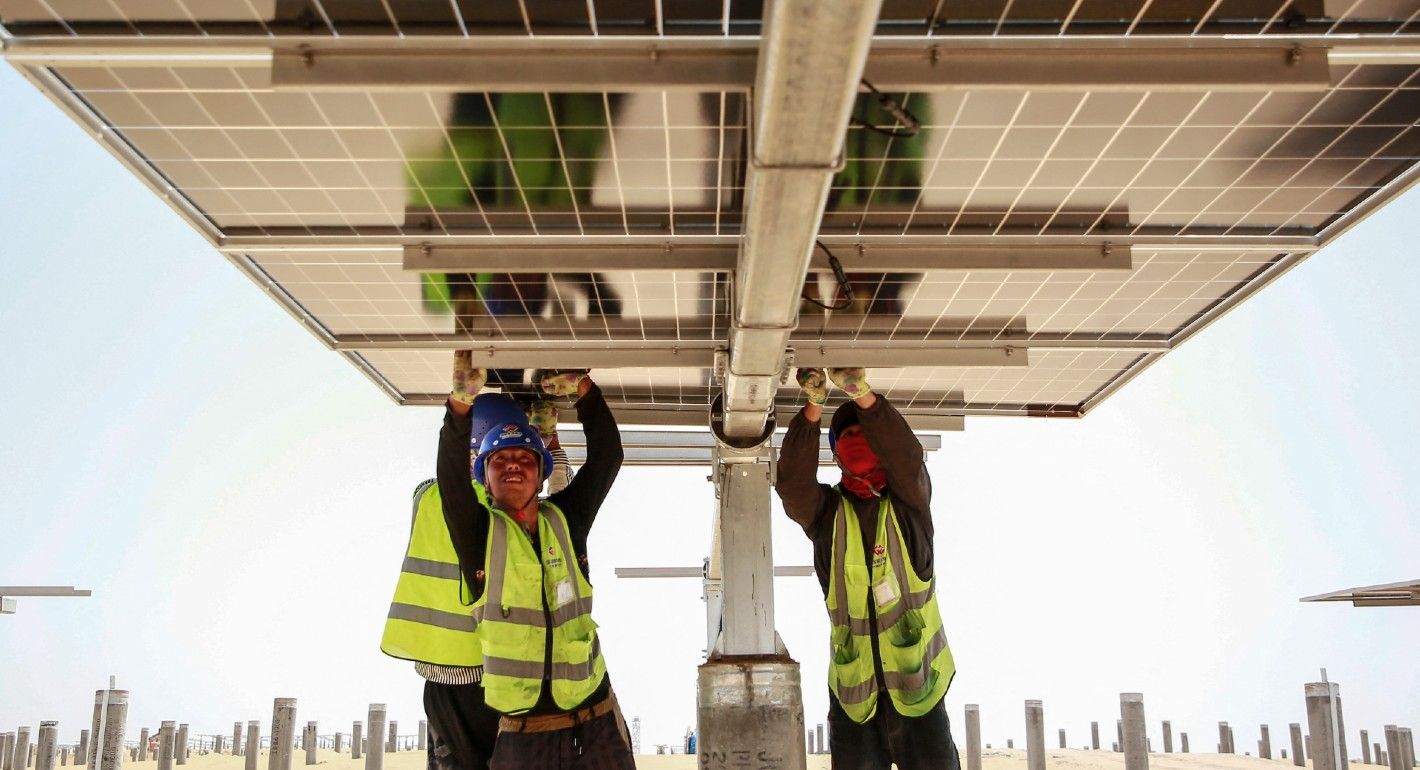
(464, 726)
(600, 744)
(913, 743)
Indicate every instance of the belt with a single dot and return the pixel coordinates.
(552, 722)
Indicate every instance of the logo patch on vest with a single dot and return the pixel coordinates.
(879, 550)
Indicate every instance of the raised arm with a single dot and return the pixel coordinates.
(464, 515)
(583, 497)
(796, 480)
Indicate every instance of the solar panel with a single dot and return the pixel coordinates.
(565, 184)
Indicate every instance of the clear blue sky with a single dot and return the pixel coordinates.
(237, 497)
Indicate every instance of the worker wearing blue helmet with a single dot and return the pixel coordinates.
(524, 560)
(462, 728)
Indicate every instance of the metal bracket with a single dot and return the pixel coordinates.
(787, 368)
(721, 366)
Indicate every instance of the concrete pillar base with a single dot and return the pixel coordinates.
(750, 711)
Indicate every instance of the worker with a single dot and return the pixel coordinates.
(524, 560)
(890, 665)
(428, 621)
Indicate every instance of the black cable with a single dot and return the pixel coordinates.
(910, 124)
(840, 276)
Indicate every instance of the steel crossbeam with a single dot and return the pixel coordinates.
(721, 258)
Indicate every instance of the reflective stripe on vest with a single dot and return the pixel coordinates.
(914, 656)
(523, 593)
(429, 619)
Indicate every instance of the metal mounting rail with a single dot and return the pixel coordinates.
(810, 64)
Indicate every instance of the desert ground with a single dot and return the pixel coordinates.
(992, 759)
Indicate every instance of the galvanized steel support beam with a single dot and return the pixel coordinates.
(571, 258)
(803, 95)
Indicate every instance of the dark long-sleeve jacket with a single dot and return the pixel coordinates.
(812, 504)
(468, 520)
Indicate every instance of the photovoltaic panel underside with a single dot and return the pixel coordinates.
(1033, 246)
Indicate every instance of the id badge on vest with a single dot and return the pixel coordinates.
(885, 590)
(565, 593)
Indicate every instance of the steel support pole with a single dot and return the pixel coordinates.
(110, 718)
(1299, 754)
(1264, 744)
(1168, 737)
(1062, 737)
(1136, 742)
(393, 744)
(236, 739)
(81, 752)
(339, 742)
(356, 739)
(1377, 753)
(7, 748)
(253, 747)
(63, 756)
(180, 744)
(423, 735)
(1183, 742)
(745, 559)
(1394, 751)
(375, 742)
(1119, 735)
(283, 734)
(167, 740)
(309, 741)
(973, 736)
(1095, 736)
(1225, 738)
(20, 755)
(1328, 739)
(1035, 735)
(47, 746)
(1365, 748)
(819, 746)
(1408, 743)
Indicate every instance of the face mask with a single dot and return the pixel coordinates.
(861, 473)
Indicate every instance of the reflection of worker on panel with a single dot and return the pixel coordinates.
(515, 156)
(524, 560)
(890, 665)
(429, 620)
(882, 172)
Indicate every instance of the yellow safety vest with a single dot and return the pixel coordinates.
(916, 661)
(526, 589)
(430, 618)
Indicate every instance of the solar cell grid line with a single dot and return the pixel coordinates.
(995, 149)
(1120, 288)
(936, 161)
(1295, 127)
(562, 152)
(305, 165)
(1199, 167)
(1045, 157)
(884, 159)
(1413, 79)
(1124, 189)
(1099, 156)
(615, 163)
(508, 153)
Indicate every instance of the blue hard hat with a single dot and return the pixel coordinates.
(512, 434)
(492, 410)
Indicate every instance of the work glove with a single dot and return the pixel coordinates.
(814, 383)
(561, 382)
(467, 380)
(851, 380)
(542, 416)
